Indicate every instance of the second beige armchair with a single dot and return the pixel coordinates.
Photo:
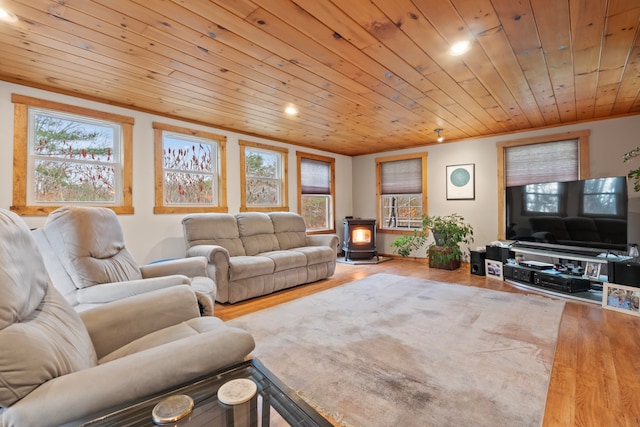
(88, 262)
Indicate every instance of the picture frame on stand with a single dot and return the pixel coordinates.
(493, 269)
(625, 299)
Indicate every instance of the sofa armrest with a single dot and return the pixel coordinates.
(331, 240)
(210, 252)
(117, 323)
(108, 292)
(190, 267)
(217, 267)
(67, 399)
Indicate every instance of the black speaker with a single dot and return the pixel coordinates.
(477, 263)
(624, 273)
(499, 253)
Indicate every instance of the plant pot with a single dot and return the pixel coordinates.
(436, 253)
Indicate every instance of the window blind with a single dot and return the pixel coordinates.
(540, 163)
(401, 177)
(315, 176)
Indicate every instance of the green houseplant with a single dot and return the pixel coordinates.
(633, 173)
(444, 250)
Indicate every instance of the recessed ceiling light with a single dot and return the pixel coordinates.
(291, 110)
(7, 16)
(460, 47)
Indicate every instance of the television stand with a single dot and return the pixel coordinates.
(539, 269)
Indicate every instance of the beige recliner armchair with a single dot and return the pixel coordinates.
(58, 365)
(85, 254)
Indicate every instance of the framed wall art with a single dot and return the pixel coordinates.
(461, 182)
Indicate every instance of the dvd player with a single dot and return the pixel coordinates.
(537, 265)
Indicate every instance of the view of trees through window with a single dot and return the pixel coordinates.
(402, 211)
(262, 171)
(189, 170)
(316, 210)
(73, 160)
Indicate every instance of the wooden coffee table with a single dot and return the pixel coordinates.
(274, 405)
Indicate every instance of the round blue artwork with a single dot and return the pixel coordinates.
(460, 177)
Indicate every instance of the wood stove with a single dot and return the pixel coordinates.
(359, 238)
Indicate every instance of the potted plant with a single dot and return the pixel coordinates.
(633, 173)
(444, 250)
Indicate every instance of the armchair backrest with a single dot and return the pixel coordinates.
(41, 335)
(90, 241)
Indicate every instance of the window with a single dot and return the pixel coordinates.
(552, 158)
(402, 191)
(189, 169)
(316, 188)
(264, 181)
(69, 155)
(554, 161)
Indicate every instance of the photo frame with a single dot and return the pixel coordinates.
(493, 269)
(592, 270)
(625, 299)
(461, 182)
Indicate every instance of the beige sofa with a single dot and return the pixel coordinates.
(252, 254)
(59, 365)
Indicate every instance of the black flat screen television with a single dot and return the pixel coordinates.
(585, 216)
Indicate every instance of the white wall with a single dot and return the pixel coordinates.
(608, 141)
(148, 236)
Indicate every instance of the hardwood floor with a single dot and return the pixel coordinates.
(595, 379)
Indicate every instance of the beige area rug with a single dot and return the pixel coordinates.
(389, 350)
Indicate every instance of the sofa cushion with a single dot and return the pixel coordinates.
(317, 254)
(290, 229)
(213, 229)
(41, 335)
(256, 233)
(242, 267)
(285, 260)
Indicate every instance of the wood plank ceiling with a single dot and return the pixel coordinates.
(366, 75)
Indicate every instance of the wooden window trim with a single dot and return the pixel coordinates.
(302, 155)
(583, 168)
(160, 208)
(21, 152)
(379, 161)
(243, 178)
